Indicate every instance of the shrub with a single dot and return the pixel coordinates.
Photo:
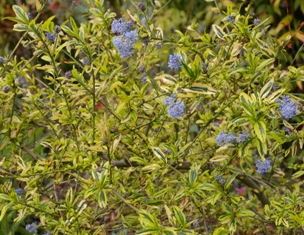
(90, 147)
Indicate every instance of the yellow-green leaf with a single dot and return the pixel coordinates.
(260, 130)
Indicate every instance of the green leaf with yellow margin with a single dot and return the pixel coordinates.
(260, 130)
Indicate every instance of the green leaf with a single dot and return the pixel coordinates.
(264, 64)
(4, 197)
(266, 89)
(275, 95)
(169, 231)
(245, 213)
(81, 206)
(262, 148)
(260, 130)
(225, 218)
(207, 187)
(229, 181)
(102, 199)
(20, 14)
(201, 89)
(218, 31)
(148, 220)
(221, 231)
(297, 174)
(3, 211)
(67, 30)
(180, 217)
(219, 158)
(159, 154)
(193, 175)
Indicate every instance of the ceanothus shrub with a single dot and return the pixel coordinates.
(112, 127)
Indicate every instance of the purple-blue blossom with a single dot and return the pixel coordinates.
(50, 36)
(86, 61)
(120, 26)
(204, 67)
(256, 22)
(230, 19)
(220, 179)
(287, 107)
(175, 61)
(262, 166)
(143, 78)
(225, 138)
(169, 100)
(2, 60)
(175, 108)
(32, 228)
(19, 191)
(241, 138)
(47, 233)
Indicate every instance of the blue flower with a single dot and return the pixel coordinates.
(262, 166)
(220, 179)
(195, 223)
(242, 52)
(32, 228)
(47, 233)
(204, 67)
(124, 46)
(19, 191)
(124, 42)
(242, 137)
(132, 36)
(86, 61)
(176, 109)
(287, 130)
(221, 138)
(2, 60)
(120, 26)
(230, 19)
(175, 62)
(230, 138)
(287, 107)
(50, 36)
(256, 22)
(144, 78)
(224, 138)
(141, 68)
(68, 74)
(169, 100)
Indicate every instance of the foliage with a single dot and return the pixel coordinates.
(197, 147)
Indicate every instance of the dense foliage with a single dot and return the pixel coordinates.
(117, 126)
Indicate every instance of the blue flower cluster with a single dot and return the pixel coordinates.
(204, 67)
(32, 228)
(242, 138)
(2, 60)
(86, 61)
(262, 166)
(143, 78)
(126, 38)
(256, 22)
(175, 108)
(50, 36)
(226, 138)
(230, 19)
(19, 191)
(175, 61)
(220, 179)
(287, 107)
